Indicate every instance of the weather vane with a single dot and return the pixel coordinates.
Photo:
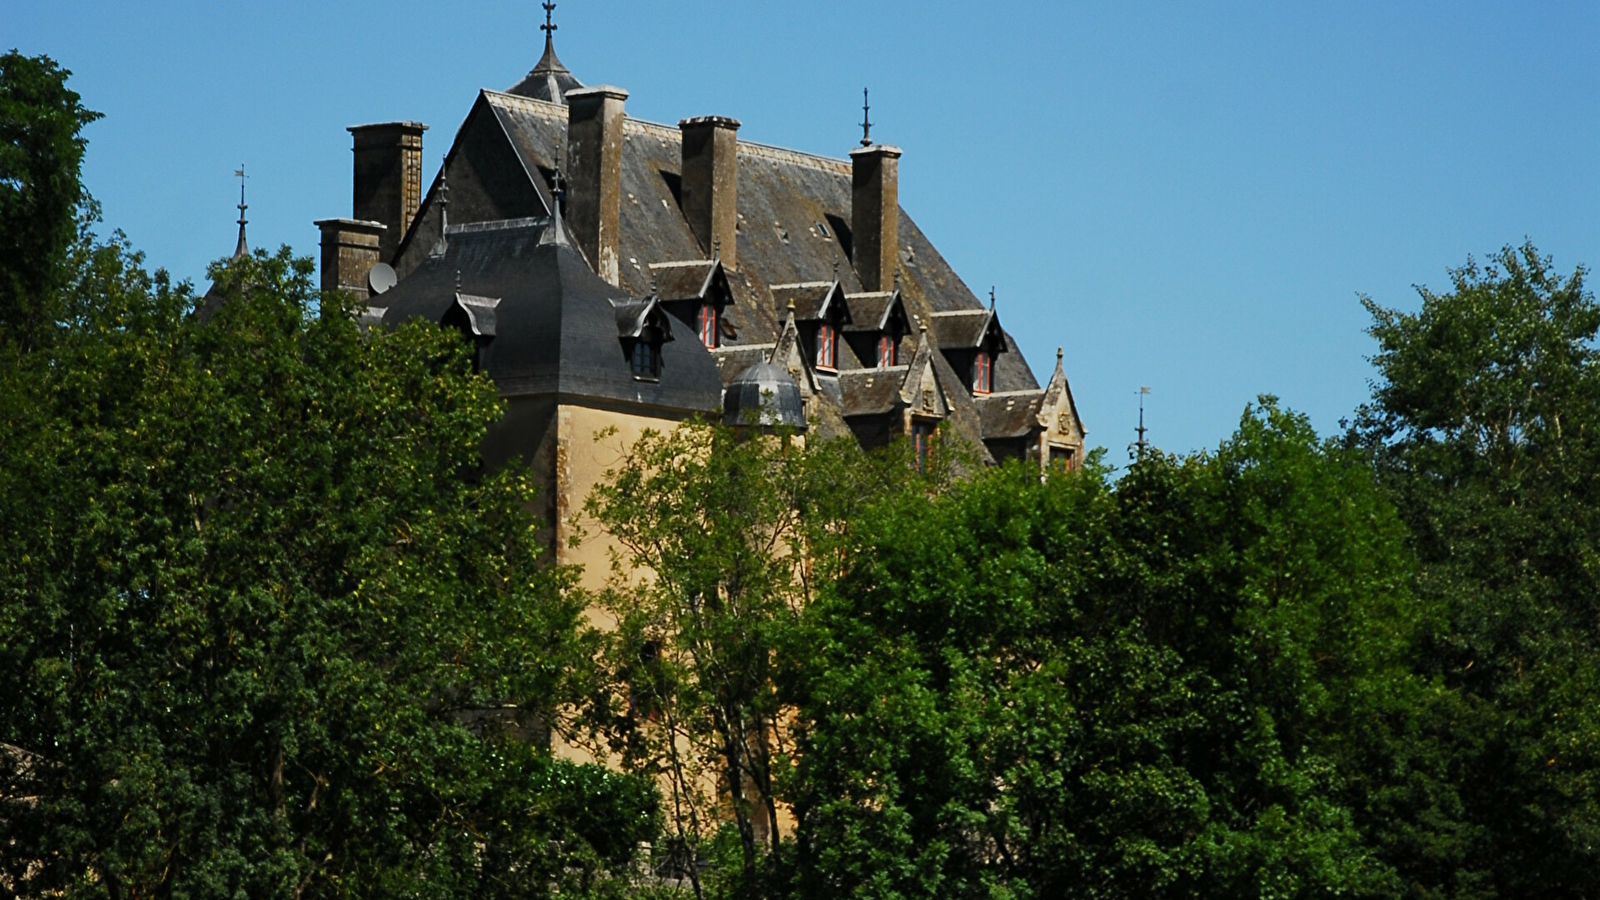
(866, 120)
(1141, 444)
(239, 174)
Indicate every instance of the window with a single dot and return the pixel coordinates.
(708, 326)
(1060, 459)
(827, 347)
(886, 350)
(922, 441)
(982, 373)
(645, 360)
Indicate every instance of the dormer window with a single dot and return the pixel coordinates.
(887, 347)
(827, 347)
(707, 323)
(644, 360)
(983, 373)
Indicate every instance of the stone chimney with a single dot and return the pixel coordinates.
(711, 183)
(594, 174)
(350, 248)
(388, 178)
(875, 214)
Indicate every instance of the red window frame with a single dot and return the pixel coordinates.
(827, 347)
(708, 325)
(983, 373)
(886, 351)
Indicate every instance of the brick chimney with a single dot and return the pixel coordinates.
(594, 174)
(350, 248)
(388, 178)
(875, 214)
(711, 183)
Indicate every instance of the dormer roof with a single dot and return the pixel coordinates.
(813, 300)
(966, 329)
(874, 310)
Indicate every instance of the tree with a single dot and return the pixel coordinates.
(41, 195)
(266, 627)
(732, 532)
(1080, 688)
(1485, 429)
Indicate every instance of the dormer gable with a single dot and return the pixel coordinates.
(878, 327)
(821, 313)
(970, 340)
(698, 294)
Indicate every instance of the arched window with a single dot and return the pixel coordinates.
(708, 326)
(982, 373)
(827, 347)
(886, 350)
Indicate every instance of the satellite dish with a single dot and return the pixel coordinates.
(381, 278)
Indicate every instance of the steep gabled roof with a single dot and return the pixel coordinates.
(1011, 414)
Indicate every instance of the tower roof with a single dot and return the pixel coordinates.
(549, 79)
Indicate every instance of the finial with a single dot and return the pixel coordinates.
(458, 281)
(991, 298)
(241, 249)
(897, 281)
(444, 213)
(556, 233)
(1058, 356)
(549, 27)
(716, 249)
(836, 270)
(922, 326)
(866, 120)
(654, 291)
(791, 306)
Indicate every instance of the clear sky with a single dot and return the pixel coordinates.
(1188, 196)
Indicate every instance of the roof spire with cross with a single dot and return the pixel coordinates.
(242, 249)
(549, 27)
(549, 79)
(866, 120)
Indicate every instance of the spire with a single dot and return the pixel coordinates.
(444, 213)
(1141, 445)
(866, 120)
(557, 232)
(243, 249)
(549, 79)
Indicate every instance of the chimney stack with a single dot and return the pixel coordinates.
(875, 214)
(350, 249)
(388, 178)
(594, 174)
(711, 183)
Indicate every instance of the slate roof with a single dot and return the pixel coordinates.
(870, 392)
(1010, 415)
(794, 243)
(557, 325)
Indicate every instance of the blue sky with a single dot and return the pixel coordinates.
(1184, 195)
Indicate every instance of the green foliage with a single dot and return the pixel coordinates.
(735, 532)
(1485, 428)
(41, 155)
(1072, 688)
(266, 629)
